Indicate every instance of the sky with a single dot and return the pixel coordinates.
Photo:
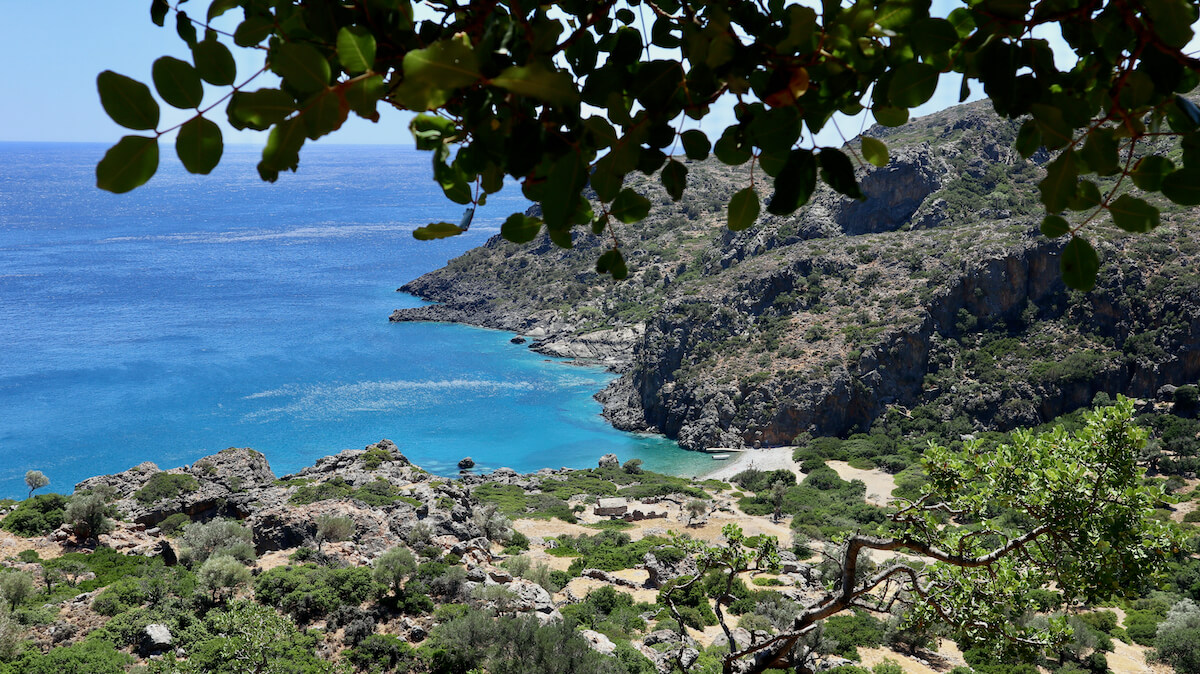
(52, 52)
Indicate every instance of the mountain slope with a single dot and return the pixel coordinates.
(937, 295)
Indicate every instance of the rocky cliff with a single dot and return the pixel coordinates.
(937, 292)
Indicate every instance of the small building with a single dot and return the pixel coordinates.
(611, 507)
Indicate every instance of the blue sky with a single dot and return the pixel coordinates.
(52, 52)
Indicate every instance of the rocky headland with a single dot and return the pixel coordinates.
(936, 296)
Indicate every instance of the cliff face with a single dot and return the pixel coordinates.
(937, 292)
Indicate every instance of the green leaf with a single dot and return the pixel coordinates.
(1087, 196)
(1058, 187)
(1100, 152)
(567, 177)
(838, 172)
(519, 228)
(629, 206)
(324, 115)
(128, 164)
(1029, 139)
(437, 230)
(158, 11)
(732, 148)
(874, 151)
(1056, 132)
(1183, 186)
(932, 36)
(185, 29)
(253, 31)
(1133, 215)
(363, 95)
(795, 183)
(674, 179)
(259, 110)
(743, 209)
(695, 144)
(537, 81)
(1149, 172)
(282, 151)
(449, 63)
(177, 82)
(612, 262)
(214, 62)
(301, 66)
(1172, 21)
(1054, 226)
(127, 101)
(605, 180)
(912, 84)
(1079, 264)
(431, 131)
(219, 7)
(356, 49)
(890, 115)
(199, 145)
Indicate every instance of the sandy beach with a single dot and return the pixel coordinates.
(770, 458)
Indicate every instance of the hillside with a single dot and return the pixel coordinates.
(937, 297)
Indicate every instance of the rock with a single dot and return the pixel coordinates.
(466, 463)
(531, 597)
(598, 642)
(662, 571)
(517, 340)
(156, 639)
(499, 576)
(609, 461)
(666, 637)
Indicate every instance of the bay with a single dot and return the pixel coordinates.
(203, 312)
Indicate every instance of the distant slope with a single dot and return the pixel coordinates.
(937, 293)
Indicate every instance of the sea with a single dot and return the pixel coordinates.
(203, 312)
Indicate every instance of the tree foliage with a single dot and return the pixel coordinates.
(566, 94)
(989, 530)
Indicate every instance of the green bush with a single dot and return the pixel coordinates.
(382, 653)
(174, 524)
(93, 656)
(309, 592)
(850, 631)
(1142, 626)
(164, 485)
(36, 516)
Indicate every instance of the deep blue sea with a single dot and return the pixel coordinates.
(204, 312)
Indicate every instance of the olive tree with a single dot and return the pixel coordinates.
(220, 576)
(35, 480)
(88, 515)
(1087, 528)
(565, 94)
(333, 529)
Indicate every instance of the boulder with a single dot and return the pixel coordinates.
(466, 463)
(531, 596)
(156, 638)
(662, 571)
(609, 461)
(598, 642)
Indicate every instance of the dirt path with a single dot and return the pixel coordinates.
(879, 484)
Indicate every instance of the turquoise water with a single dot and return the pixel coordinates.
(199, 313)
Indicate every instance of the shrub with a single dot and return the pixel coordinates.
(162, 486)
(394, 567)
(308, 592)
(202, 540)
(15, 588)
(887, 666)
(333, 529)
(1142, 626)
(1178, 638)
(88, 515)
(517, 543)
(36, 516)
(633, 467)
(94, 656)
(220, 576)
(174, 524)
(850, 631)
(382, 653)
